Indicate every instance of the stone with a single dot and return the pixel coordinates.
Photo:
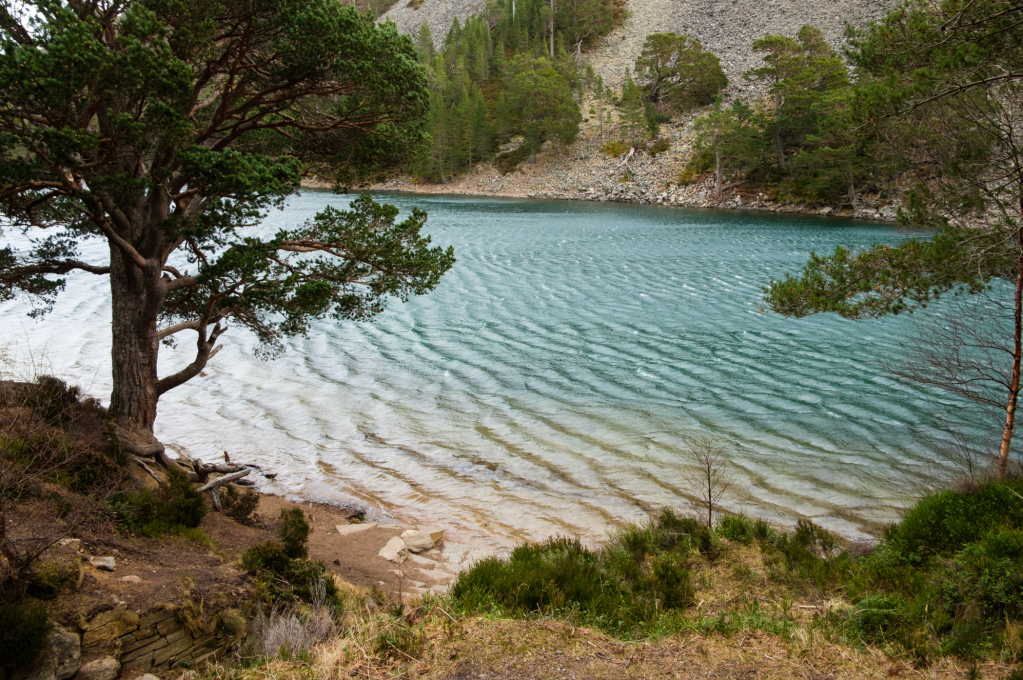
(106, 668)
(105, 563)
(153, 618)
(474, 556)
(168, 626)
(172, 650)
(74, 543)
(59, 660)
(140, 647)
(109, 625)
(394, 551)
(435, 533)
(143, 662)
(423, 562)
(416, 541)
(349, 529)
(130, 579)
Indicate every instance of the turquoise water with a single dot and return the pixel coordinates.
(550, 383)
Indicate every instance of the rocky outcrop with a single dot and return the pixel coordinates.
(118, 639)
(60, 659)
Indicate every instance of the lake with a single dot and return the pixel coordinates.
(551, 383)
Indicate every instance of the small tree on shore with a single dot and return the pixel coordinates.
(710, 478)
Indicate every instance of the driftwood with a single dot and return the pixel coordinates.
(196, 470)
(221, 481)
(142, 464)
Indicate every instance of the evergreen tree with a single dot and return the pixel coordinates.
(124, 122)
(677, 71)
(941, 83)
(543, 106)
(632, 116)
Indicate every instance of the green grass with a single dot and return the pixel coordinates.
(947, 580)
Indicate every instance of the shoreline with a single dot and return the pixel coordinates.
(581, 171)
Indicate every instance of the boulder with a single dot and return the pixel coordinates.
(60, 659)
(130, 579)
(106, 668)
(104, 563)
(416, 541)
(348, 529)
(394, 551)
(435, 533)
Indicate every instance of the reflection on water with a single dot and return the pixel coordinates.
(549, 384)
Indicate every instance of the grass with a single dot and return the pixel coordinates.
(947, 581)
(673, 596)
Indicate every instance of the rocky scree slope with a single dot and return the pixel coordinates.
(725, 27)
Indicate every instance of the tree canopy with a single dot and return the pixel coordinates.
(940, 87)
(676, 70)
(166, 127)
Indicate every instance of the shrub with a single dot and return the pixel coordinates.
(659, 146)
(507, 162)
(294, 532)
(987, 574)
(24, 628)
(876, 618)
(943, 523)
(238, 504)
(624, 587)
(283, 573)
(52, 400)
(615, 148)
(742, 529)
(174, 508)
(269, 556)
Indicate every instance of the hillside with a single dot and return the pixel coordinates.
(725, 27)
(581, 171)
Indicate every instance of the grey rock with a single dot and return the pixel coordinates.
(394, 551)
(104, 563)
(60, 659)
(106, 668)
(417, 541)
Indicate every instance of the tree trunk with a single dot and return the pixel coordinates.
(1017, 355)
(552, 30)
(717, 173)
(136, 298)
(779, 148)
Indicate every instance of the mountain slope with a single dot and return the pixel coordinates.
(725, 27)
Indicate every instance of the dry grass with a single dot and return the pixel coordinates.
(547, 650)
(773, 635)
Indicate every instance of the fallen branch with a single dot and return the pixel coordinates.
(142, 464)
(226, 479)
